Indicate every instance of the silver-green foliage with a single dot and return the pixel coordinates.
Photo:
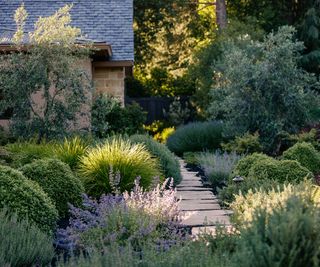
(218, 167)
(22, 244)
(260, 87)
(53, 73)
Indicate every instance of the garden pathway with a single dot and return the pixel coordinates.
(200, 202)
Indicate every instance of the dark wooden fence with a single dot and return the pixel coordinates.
(155, 106)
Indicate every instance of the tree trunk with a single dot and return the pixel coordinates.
(221, 14)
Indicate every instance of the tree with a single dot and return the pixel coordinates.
(261, 88)
(44, 86)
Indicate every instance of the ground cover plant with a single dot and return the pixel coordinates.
(57, 180)
(198, 136)
(117, 156)
(168, 162)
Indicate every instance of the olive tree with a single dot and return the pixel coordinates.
(43, 82)
(261, 88)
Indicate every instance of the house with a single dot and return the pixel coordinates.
(107, 24)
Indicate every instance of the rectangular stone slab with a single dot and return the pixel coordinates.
(191, 206)
(195, 194)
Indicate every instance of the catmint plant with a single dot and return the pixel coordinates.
(134, 217)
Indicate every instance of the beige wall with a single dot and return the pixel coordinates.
(109, 80)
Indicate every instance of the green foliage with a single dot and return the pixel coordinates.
(261, 88)
(27, 199)
(246, 144)
(191, 158)
(289, 236)
(309, 137)
(309, 30)
(192, 254)
(27, 151)
(206, 59)
(168, 162)
(45, 87)
(196, 136)
(228, 193)
(279, 170)
(58, 181)
(244, 206)
(23, 244)
(71, 151)
(306, 155)
(121, 157)
(109, 117)
(244, 165)
(179, 112)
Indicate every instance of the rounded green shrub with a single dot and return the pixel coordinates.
(244, 165)
(197, 136)
(281, 171)
(168, 161)
(117, 162)
(23, 244)
(58, 181)
(26, 198)
(306, 155)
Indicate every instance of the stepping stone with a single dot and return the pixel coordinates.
(197, 220)
(191, 206)
(192, 189)
(195, 194)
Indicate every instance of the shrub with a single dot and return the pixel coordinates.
(25, 152)
(117, 219)
(22, 244)
(26, 198)
(289, 236)
(280, 171)
(118, 156)
(244, 165)
(244, 206)
(168, 162)
(246, 144)
(57, 180)
(163, 136)
(306, 155)
(217, 167)
(71, 151)
(196, 136)
(227, 194)
(108, 117)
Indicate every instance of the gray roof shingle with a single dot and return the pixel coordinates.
(110, 21)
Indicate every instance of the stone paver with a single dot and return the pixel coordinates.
(200, 204)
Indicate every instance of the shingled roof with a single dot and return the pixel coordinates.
(109, 21)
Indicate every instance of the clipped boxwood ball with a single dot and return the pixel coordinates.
(58, 181)
(244, 165)
(306, 155)
(27, 199)
(279, 170)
